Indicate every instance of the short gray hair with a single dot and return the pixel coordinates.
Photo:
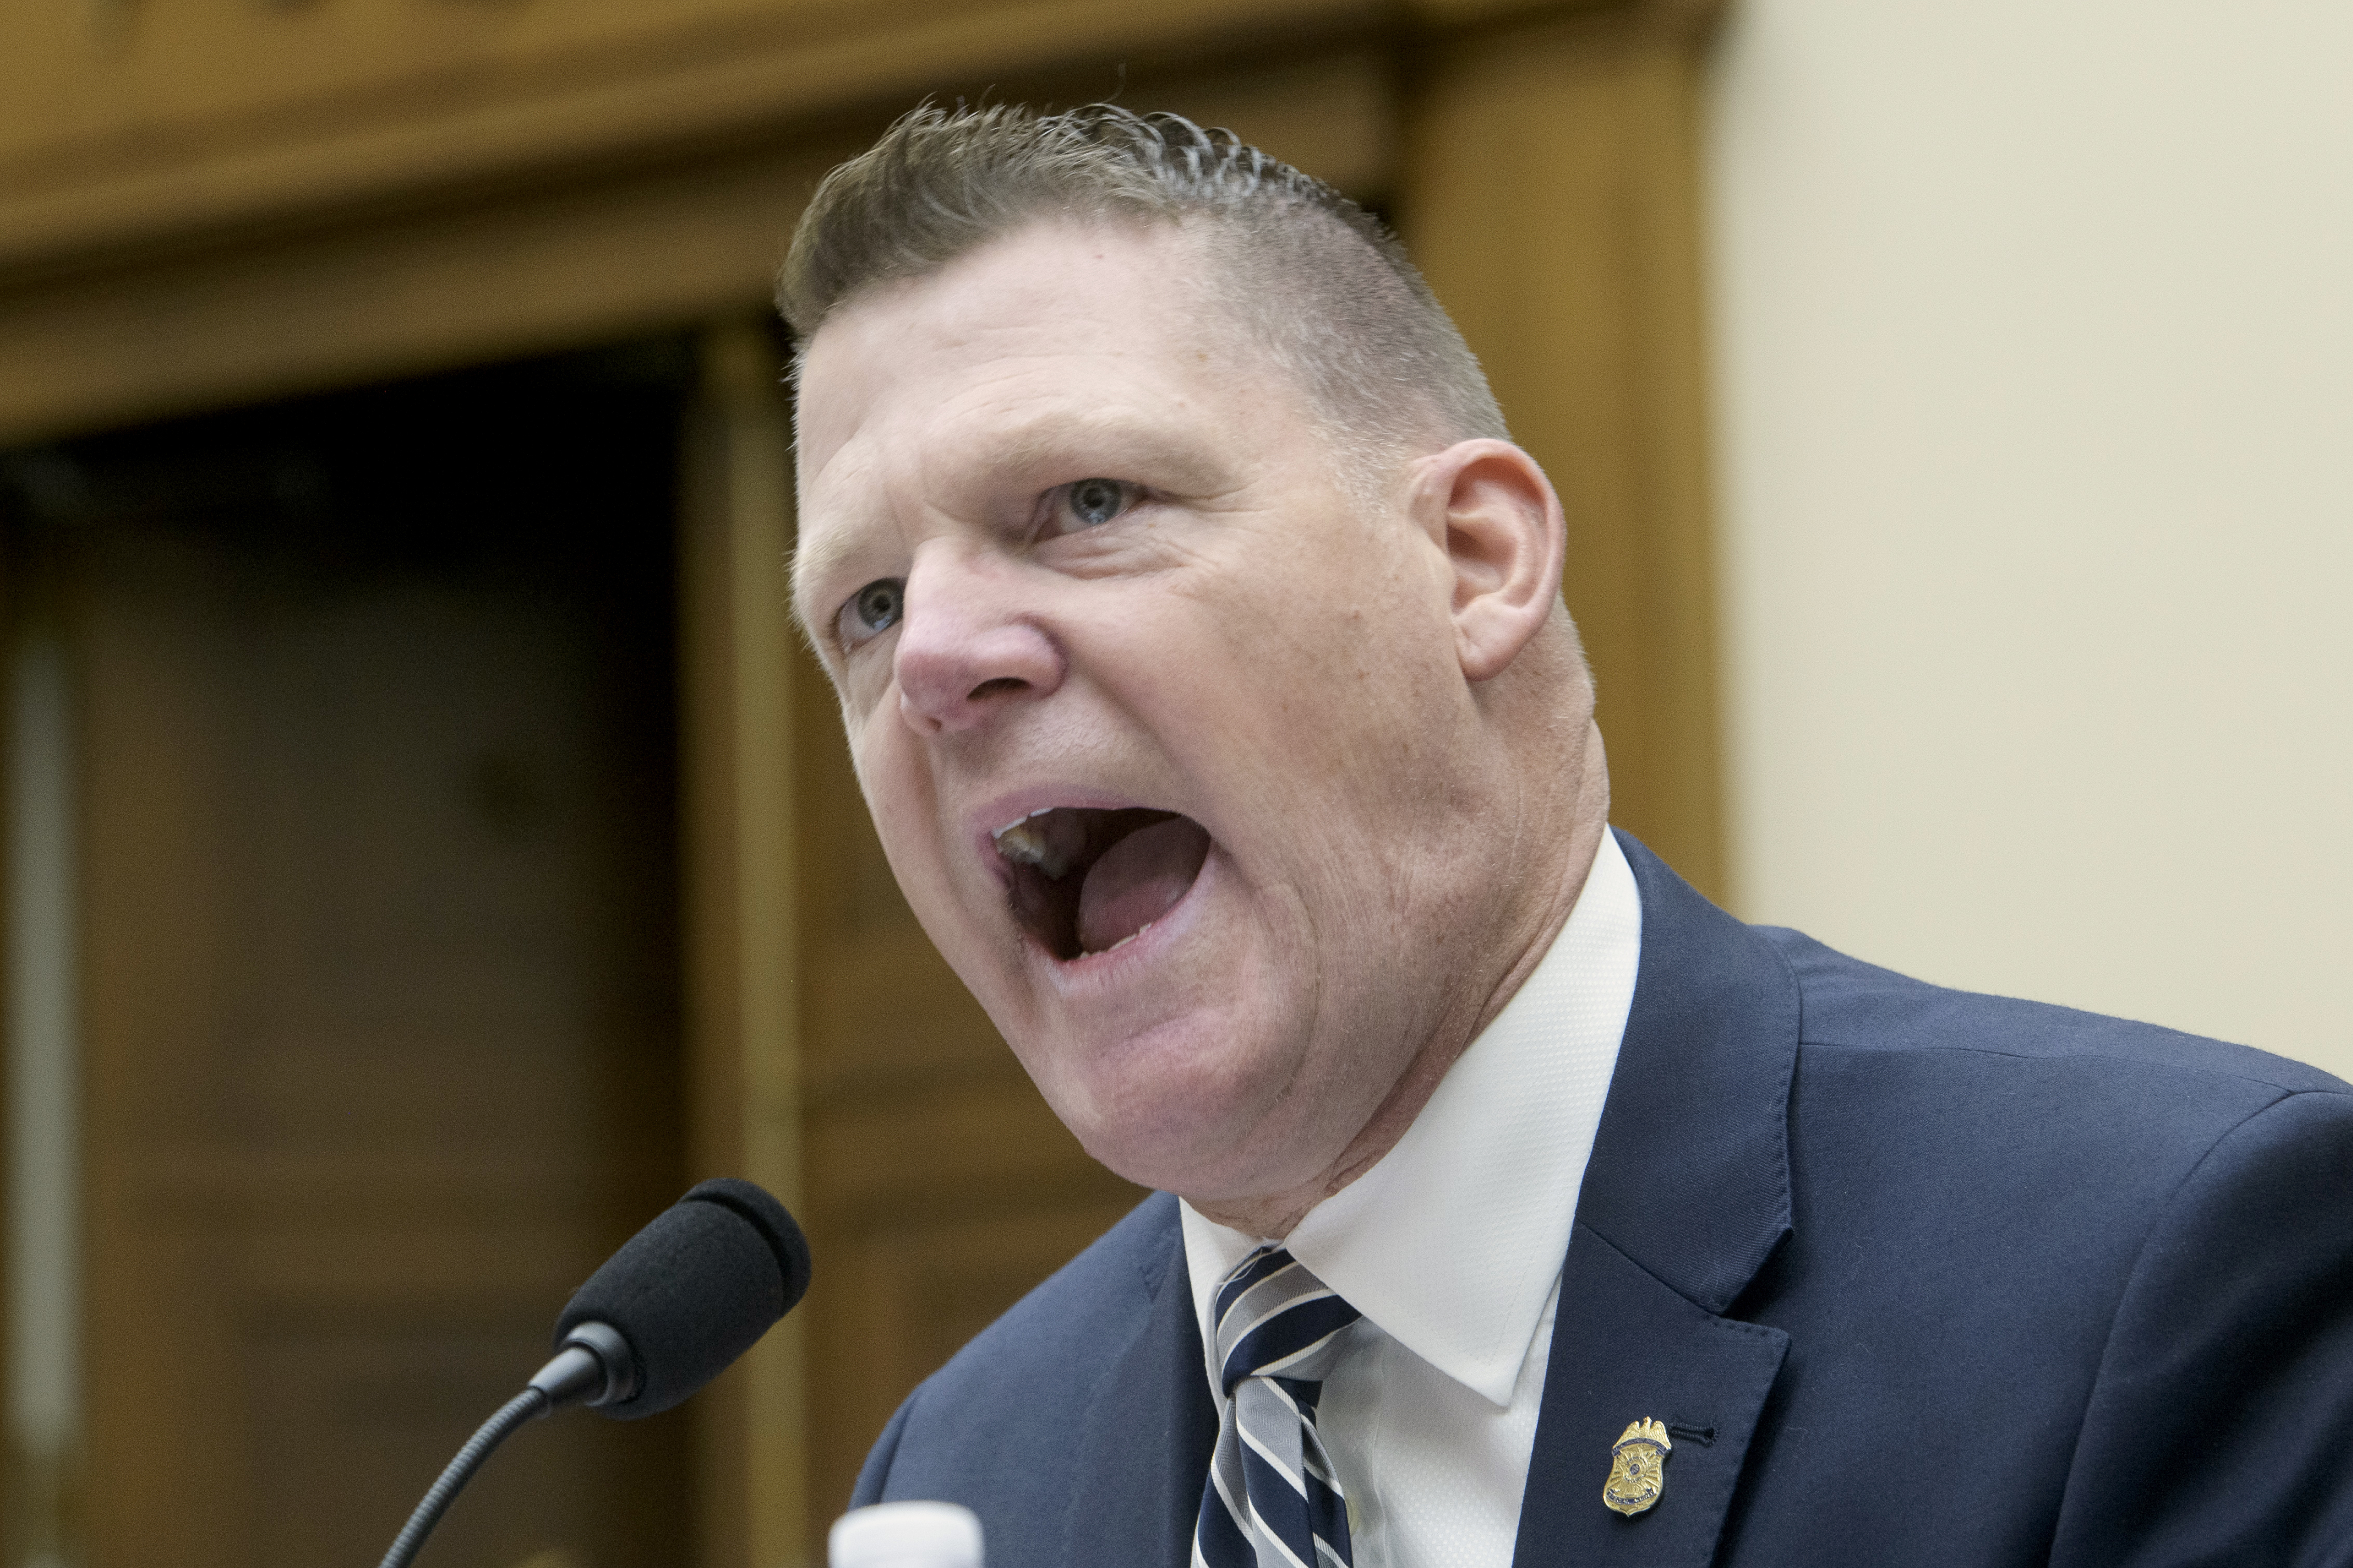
(1311, 277)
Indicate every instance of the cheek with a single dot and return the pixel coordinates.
(941, 884)
(1355, 685)
(864, 687)
(899, 797)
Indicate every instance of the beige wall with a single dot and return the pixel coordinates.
(2035, 379)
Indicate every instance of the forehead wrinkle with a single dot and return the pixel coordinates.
(1026, 415)
(1054, 445)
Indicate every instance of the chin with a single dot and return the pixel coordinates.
(1178, 1107)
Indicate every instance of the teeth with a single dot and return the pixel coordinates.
(1026, 845)
(1018, 821)
(1039, 840)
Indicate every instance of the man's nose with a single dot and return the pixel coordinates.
(966, 646)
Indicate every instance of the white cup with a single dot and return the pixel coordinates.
(905, 1535)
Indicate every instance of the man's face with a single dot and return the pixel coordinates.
(1080, 567)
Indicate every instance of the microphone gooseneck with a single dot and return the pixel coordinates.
(522, 1410)
(666, 1313)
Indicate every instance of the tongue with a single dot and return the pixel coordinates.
(1137, 880)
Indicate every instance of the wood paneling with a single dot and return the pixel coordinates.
(459, 285)
(381, 997)
(1548, 194)
(173, 116)
(742, 914)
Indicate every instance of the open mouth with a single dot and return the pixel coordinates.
(1085, 880)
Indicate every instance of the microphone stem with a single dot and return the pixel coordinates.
(522, 1409)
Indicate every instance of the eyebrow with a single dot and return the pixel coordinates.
(805, 564)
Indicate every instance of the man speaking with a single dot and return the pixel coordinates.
(1199, 638)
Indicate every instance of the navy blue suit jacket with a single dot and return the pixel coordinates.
(1918, 1278)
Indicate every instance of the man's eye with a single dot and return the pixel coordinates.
(1093, 502)
(872, 610)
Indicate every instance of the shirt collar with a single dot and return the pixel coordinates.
(1452, 1241)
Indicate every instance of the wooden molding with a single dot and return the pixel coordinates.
(270, 109)
(743, 1001)
(124, 125)
(516, 271)
(469, 282)
(1549, 195)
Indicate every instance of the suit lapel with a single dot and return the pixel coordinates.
(1631, 1349)
(1686, 1195)
(1144, 1448)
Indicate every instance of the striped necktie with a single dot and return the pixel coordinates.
(1271, 1500)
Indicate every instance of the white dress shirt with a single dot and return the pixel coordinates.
(1451, 1247)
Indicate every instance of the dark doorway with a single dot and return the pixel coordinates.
(374, 714)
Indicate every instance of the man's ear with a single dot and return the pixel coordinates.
(1488, 506)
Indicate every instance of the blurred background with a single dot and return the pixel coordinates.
(427, 848)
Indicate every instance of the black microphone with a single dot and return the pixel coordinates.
(666, 1314)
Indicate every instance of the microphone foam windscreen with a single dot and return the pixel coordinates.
(694, 1290)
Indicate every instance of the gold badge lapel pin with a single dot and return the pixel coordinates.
(1637, 1467)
